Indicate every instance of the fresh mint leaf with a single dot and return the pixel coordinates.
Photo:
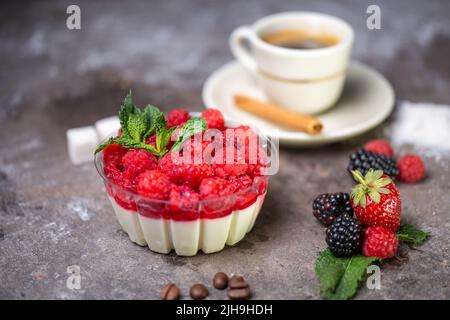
(153, 117)
(408, 233)
(340, 278)
(137, 126)
(127, 108)
(127, 143)
(163, 137)
(190, 128)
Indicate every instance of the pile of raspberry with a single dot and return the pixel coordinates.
(219, 186)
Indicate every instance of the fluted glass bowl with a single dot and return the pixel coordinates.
(208, 226)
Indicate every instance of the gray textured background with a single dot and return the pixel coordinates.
(53, 214)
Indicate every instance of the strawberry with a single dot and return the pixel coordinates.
(376, 200)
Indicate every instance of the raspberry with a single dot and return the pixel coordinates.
(113, 173)
(177, 117)
(255, 170)
(241, 137)
(224, 169)
(247, 145)
(379, 146)
(260, 167)
(153, 184)
(123, 198)
(193, 174)
(188, 174)
(120, 181)
(379, 242)
(215, 187)
(136, 161)
(411, 168)
(183, 202)
(166, 164)
(344, 236)
(245, 196)
(214, 119)
(196, 146)
(217, 201)
(113, 154)
(240, 183)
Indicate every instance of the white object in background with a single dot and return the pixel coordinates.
(422, 124)
(105, 127)
(81, 144)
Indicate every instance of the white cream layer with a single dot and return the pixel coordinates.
(187, 237)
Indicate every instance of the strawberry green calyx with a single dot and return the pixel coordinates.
(372, 184)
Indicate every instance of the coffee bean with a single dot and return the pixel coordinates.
(170, 292)
(237, 282)
(239, 294)
(220, 280)
(198, 291)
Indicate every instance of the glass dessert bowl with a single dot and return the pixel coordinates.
(180, 207)
(207, 226)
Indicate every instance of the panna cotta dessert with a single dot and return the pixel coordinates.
(183, 182)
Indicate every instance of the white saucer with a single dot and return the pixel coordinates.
(366, 101)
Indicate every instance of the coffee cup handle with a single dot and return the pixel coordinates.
(240, 52)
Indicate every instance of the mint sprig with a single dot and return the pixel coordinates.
(137, 125)
(191, 127)
(163, 137)
(409, 234)
(341, 277)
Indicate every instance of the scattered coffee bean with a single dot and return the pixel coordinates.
(170, 292)
(220, 280)
(239, 288)
(237, 282)
(198, 291)
(239, 294)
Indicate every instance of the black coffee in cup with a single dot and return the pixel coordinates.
(300, 39)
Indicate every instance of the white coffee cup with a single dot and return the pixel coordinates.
(304, 80)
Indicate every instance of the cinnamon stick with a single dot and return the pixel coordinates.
(279, 115)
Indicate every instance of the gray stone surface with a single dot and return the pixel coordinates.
(53, 215)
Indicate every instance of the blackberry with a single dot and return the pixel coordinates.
(363, 160)
(328, 206)
(344, 236)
